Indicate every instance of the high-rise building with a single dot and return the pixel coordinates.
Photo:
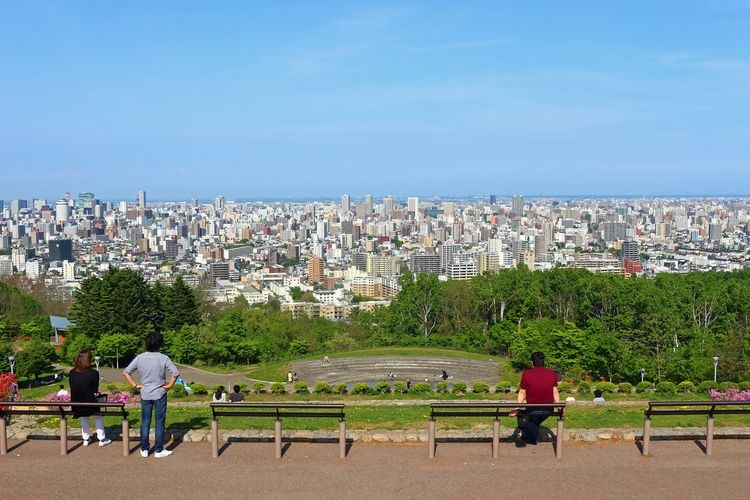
(16, 206)
(387, 205)
(540, 248)
(219, 203)
(493, 199)
(447, 252)
(61, 210)
(630, 251)
(714, 230)
(614, 231)
(86, 200)
(517, 205)
(219, 271)
(368, 205)
(142, 199)
(412, 204)
(315, 269)
(425, 263)
(346, 203)
(60, 250)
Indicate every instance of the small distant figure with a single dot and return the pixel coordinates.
(237, 395)
(294, 377)
(408, 384)
(289, 377)
(219, 396)
(598, 398)
(62, 393)
(444, 376)
(392, 376)
(427, 379)
(326, 359)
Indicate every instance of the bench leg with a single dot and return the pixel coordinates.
(646, 435)
(125, 437)
(495, 438)
(214, 438)
(431, 440)
(560, 434)
(63, 436)
(342, 439)
(709, 435)
(277, 439)
(3, 437)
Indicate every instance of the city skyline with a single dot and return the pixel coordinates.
(292, 101)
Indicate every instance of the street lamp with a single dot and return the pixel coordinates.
(118, 355)
(643, 372)
(716, 364)
(96, 360)
(12, 361)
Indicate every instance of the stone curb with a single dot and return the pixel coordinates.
(404, 436)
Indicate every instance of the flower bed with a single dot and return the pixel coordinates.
(730, 394)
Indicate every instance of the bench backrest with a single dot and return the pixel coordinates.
(490, 409)
(709, 408)
(58, 408)
(278, 410)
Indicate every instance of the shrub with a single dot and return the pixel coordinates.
(565, 387)
(584, 387)
(607, 387)
(725, 386)
(340, 388)
(666, 388)
(400, 387)
(200, 389)
(323, 388)
(643, 387)
(112, 388)
(625, 387)
(215, 387)
(361, 388)
(686, 386)
(707, 385)
(502, 385)
(178, 391)
(243, 386)
(383, 387)
(301, 388)
(480, 387)
(278, 388)
(745, 385)
(459, 388)
(259, 387)
(441, 387)
(420, 388)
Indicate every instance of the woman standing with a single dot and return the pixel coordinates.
(84, 386)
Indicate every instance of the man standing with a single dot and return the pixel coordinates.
(151, 366)
(538, 385)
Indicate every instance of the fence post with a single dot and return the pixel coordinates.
(496, 438)
(342, 439)
(277, 438)
(709, 436)
(63, 435)
(3, 436)
(125, 437)
(431, 439)
(646, 434)
(560, 435)
(214, 438)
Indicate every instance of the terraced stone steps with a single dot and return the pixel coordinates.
(376, 368)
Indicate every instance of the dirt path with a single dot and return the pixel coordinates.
(248, 470)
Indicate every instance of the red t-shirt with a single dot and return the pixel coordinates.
(538, 383)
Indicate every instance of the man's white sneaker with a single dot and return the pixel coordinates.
(162, 453)
(144, 453)
(104, 442)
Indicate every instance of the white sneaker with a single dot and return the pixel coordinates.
(162, 453)
(104, 442)
(144, 453)
(86, 442)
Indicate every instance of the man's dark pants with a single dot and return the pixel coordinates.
(529, 422)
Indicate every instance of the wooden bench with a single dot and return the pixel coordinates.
(277, 411)
(708, 408)
(62, 410)
(495, 411)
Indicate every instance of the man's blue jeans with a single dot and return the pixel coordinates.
(159, 406)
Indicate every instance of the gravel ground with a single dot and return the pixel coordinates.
(34, 469)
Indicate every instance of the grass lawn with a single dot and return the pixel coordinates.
(416, 417)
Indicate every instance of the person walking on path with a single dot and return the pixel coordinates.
(84, 386)
(152, 367)
(538, 385)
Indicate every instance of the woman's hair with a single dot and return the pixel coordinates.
(219, 392)
(82, 361)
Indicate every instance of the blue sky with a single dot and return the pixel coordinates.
(313, 98)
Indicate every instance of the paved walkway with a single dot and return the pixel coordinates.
(676, 470)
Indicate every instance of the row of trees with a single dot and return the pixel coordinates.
(595, 324)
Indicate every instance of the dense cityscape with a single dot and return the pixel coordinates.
(324, 258)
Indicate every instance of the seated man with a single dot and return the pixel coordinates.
(538, 385)
(237, 395)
